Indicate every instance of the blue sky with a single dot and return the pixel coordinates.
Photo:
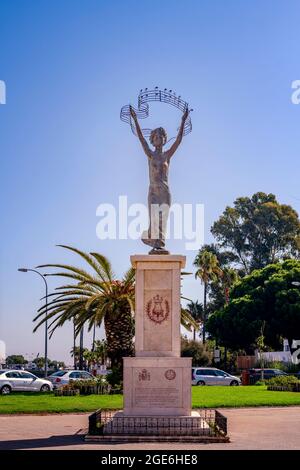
(69, 66)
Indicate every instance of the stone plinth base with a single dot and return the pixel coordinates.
(199, 426)
(157, 425)
(157, 386)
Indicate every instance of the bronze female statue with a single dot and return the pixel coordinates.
(159, 196)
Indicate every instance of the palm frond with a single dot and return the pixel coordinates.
(105, 265)
(86, 257)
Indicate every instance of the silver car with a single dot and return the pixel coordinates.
(213, 376)
(22, 381)
(62, 377)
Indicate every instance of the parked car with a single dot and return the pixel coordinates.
(62, 377)
(22, 381)
(255, 374)
(213, 376)
(40, 373)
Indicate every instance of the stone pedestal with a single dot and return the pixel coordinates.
(157, 386)
(157, 382)
(157, 304)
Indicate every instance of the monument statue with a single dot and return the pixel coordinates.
(159, 196)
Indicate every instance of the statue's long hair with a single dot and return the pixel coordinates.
(162, 133)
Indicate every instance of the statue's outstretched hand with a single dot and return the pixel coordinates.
(132, 112)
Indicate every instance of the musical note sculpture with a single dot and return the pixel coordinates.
(142, 111)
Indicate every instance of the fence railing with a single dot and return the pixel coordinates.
(111, 422)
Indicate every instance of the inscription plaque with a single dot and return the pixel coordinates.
(157, 397)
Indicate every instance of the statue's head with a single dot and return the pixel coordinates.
(158, 137)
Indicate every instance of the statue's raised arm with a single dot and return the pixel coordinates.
(178, 139)
(139, 133)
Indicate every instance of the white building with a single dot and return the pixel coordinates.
(2, 354)
(280, 356)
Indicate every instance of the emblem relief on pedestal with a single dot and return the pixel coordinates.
(170, 374)
(144, 375)
(157, 309)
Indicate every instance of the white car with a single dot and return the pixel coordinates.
(63, 377)
(22, 381)
(213, 376)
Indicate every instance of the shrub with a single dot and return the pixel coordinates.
(88, 387)
(200, 354)
(283, 380)
(115, 378)
(79, 384)
(66, 390)
(260, 382)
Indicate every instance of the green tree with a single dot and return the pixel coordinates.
(195, 309)
(258, 231)
(228, 279)
(200, 354)
(40, 362)
(17, 359)
(266, 295)
(94, 298)
(208, 270)
(78, 354)
(100, 350)
(219, 288)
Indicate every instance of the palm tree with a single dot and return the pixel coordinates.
(229, 277)
(78, 354)
(81, 348)
(208, 270)
(89, 357)
(94, 298)
(195, 309)
(94, 337)
(100, 350)
(74, 344)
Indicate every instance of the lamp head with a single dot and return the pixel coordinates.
(23, 270)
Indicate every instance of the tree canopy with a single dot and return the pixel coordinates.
(258, 230)
(16, 359)
(191, 348)
(266, 295)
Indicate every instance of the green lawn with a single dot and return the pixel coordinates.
(203, 397)
(231, 397)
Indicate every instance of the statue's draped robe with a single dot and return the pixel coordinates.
(159, 199)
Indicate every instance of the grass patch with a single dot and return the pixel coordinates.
(231, 397)
(202, 397)
(48, 403)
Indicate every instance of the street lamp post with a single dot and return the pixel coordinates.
(25, 270)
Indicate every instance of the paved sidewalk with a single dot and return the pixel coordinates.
(249, 428)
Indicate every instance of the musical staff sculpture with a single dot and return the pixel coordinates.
(159, 196)
(142, 111)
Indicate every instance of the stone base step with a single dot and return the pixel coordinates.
(122, 438)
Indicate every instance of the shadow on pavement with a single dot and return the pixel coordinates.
(53, 441)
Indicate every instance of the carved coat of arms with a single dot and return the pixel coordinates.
(157, 309)
(144, 375)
